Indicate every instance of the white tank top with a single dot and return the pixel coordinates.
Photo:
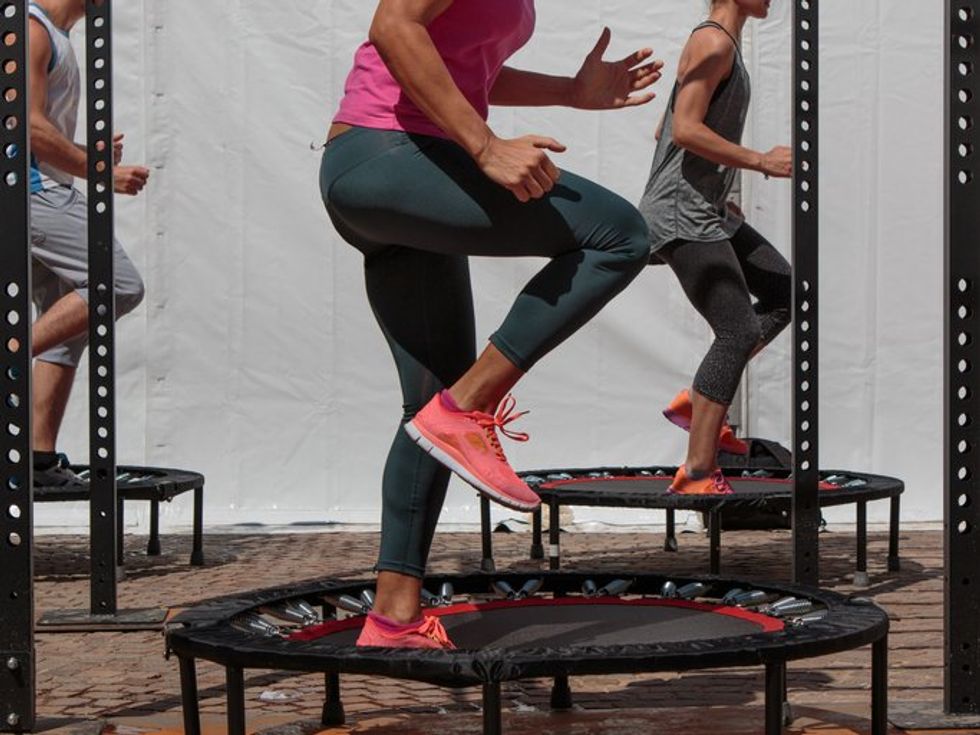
(64, 92)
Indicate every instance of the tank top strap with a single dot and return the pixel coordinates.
(720, 27)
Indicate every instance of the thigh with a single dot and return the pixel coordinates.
(59, 235)
(424, 305)
(767, 273)
(428, 194)
(712, 278)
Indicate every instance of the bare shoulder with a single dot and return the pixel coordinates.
(708, 49)
(40, 41)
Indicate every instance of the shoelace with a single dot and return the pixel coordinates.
(718, 480)
(505, 415)
(432, 629)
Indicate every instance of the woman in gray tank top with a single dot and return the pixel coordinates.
(721, 262)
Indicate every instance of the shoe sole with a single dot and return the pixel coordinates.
(429, 447)
(683, 422)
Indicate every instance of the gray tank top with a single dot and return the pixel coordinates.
(686, 197)
(61, 105)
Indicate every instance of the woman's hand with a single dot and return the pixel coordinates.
(777, 163)
(610, 85)
(521, 165)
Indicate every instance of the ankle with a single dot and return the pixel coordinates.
(698, 470)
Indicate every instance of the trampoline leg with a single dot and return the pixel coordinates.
(189, 697)
(197, 550)
(235, 695)
(537, 547)
(554, 536)
(861, 578)
(486, 564)
(153, 545)
(561, 694)
(670, 543)
(492, 716)
(894, 564)
(714, 540)
(879, 687)
(333, 707)
(775, 696)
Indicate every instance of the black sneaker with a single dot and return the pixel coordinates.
(58, 475)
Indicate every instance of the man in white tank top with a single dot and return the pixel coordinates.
(59, 232)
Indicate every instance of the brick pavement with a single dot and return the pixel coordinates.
(123, 678)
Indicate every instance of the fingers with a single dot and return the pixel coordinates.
(549, 144)
(118, 137)
(602, 45)
(646, 75)
(553, 172)
(637, 57)
(639, 99)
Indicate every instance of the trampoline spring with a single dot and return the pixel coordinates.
(529, 589)
(751, 599)
(533, 479)
(367, 597)
(730, 596)
(692, 590)
(669, 590)
(812, 617)
(253, 623)
(589, 588)
(503, 588)
(615, 588)
(446, 594)
(429, 599)
(308, 610)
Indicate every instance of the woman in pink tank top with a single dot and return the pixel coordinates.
(415, 179)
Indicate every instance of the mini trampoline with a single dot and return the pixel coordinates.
(511, 627)
(646, 487)
(154, 485)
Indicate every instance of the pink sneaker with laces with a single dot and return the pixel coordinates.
(427, 633)
(715, 483)
(466, 442)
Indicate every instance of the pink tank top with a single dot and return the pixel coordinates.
(474, 38)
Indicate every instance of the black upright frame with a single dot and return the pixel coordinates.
(17, 654)
(103, 507)
(806, 242)
(962, 360)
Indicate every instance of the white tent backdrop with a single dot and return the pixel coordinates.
(256, 361)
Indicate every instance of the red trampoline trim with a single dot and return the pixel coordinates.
(766, 623)
(558, 484)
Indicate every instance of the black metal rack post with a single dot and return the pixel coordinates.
(960, 707)
(102, 405)
(17, 655)
(104, 511)
(962, 358)
(806, 243)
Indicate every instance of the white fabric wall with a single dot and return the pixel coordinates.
(255, 358)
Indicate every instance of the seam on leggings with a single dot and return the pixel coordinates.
(374, 157)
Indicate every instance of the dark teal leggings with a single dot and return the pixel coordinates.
(416, 207)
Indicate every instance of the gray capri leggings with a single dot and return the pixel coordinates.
(720, 279)
(59, 251)
(416, 207)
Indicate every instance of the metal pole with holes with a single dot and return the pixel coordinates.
(17, 655)
(806, 242)
(102, 409)
(962, 352)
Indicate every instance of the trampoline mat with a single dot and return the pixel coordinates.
(575, 622)
(746, 486)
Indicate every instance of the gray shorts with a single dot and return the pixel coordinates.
(59, 251)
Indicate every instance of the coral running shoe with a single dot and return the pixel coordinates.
(714, 484)
(427, 633)
(466, 442)
(679, 413)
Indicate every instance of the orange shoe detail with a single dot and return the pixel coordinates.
(428, 634)
(466, 442)
(714, 484)
(679, 413)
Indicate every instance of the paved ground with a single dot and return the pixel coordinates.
(124, 679)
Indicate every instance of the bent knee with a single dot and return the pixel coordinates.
(630, 233)
(129, 296)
